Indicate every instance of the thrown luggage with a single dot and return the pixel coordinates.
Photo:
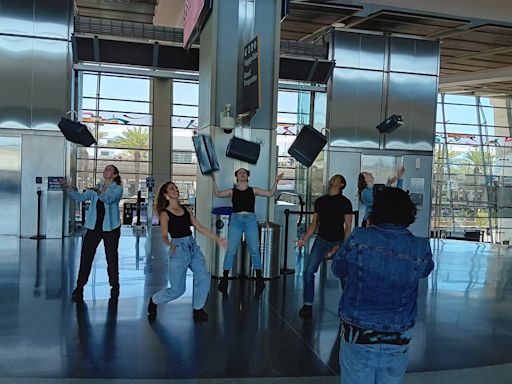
(244, 150)
(307, 145)
(206, 155)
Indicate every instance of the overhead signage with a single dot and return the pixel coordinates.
(251, 77)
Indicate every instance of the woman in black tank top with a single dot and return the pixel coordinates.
(243, 220)
(184, 253)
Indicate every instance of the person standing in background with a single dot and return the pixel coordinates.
(365, 183)
(103, 222)
(243, 220)
(333, 219)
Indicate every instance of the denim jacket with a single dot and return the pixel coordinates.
(380, 268)
(110, 198)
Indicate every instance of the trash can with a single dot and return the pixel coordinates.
(220, 219)
(269, 236)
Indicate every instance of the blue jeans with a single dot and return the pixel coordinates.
(372, 363)
(187, 255)
(318, 251)
(243, 223)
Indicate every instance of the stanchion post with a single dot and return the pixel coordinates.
(286, 270)
(38, 236)
(139, 198)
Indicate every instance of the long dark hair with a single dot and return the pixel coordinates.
(361, 184)
(161, 202)
(117, 178)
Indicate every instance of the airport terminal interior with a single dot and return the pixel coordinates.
(382, 84)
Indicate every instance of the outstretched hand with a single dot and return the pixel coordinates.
(65, 183)
(279, 177)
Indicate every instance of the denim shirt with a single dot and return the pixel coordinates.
(110, 198)
(380, 268)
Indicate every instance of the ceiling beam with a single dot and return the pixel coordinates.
(476, 78)
(487, 52)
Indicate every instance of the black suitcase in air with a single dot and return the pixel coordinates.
(206, 155)
(244, 150)
(307, 145)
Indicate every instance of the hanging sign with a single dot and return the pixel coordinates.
(251, 78)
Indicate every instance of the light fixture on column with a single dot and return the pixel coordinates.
(227, 122)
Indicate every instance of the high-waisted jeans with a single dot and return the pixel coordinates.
(187, 255)
(243, 223)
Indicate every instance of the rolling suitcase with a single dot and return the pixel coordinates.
(307, 145)
(206, 155)
(244, 150)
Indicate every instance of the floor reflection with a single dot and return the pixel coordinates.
(465, 317)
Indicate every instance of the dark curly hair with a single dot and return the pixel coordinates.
(160, 201)
(393, 206)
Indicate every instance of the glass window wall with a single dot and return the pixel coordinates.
(472, 180)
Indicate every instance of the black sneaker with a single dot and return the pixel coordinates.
(77, 295)
(200, 315)
(151, 310)
(306, 312)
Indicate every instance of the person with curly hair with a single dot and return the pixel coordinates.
(380, 268)
(184, 253)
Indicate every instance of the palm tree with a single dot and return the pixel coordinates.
(135, 140)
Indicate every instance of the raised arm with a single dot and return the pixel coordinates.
(268, 192)
(217, 193)
(112, 194)
(74, 194)
(206, 232)
(309, 232)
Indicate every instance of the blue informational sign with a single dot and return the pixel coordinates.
(54, 183)
(150, 182)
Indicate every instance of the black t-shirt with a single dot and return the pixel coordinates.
(243, 201)
(100, 215)
(331, 211)
(179, 226)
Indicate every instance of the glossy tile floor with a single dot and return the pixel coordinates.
(465, 318)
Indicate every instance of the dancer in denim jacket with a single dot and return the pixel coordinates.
(243, 220)
(184, 253)
(333, 219)
(103, 222)
(380, 268)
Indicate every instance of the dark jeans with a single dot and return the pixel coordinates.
(91, 241)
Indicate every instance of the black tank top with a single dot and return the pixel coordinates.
(179, 226)
(100, 215)
(243, 200)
